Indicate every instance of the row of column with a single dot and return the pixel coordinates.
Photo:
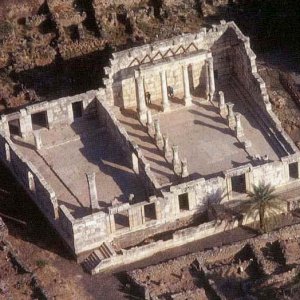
(162, 141)
(141, 101)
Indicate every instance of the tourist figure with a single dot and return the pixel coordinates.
(170, 91)
(148, 98)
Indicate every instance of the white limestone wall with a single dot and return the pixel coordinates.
(124, 62)
(59, 111)
(28, 176)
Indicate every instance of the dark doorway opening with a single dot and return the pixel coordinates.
(14, 127)
(150, 213)
(39, 120)
(294, 170)
(239, 184)
(183, 201)
(77, 109)
(121, 220)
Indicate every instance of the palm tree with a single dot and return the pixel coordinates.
(263, 202)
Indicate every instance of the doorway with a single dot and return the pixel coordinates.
(294, 170)
(39, 120)
(150, 213)
(238, 184)
(77, 108)
(14, 127)
(183, 201)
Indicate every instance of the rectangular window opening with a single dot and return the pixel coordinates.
(14, 127)
(39, 120)
(183, 201)
(121, 220)
(294, 170)
(239, 184)
(150, 213)
(77, 108)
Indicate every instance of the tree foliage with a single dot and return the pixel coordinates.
(264, 204)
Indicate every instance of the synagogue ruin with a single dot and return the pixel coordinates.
(180, 122)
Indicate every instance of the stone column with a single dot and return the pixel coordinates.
(135, 163)
(207, 80)
(238, 129)
(141, 101)
(230, 116)
(5, 126)
(37, 140)
(7, 152)
(164, 91)
(149, 118)
(157, 135)
(31, 183)
(176, 161)
(186, 84)
(149, 121)
(167, 150)
(184, 169)
(25, 123)
(91, 178)
(212, 87)
(222, 105)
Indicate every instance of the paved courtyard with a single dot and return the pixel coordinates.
(69, 153)
(202, 135)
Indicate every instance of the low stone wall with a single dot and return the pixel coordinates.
(180, 237)
(84, 234)
(245, 70)
(28, 176)
(58, 112)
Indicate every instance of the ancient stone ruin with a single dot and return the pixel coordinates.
(179, 122)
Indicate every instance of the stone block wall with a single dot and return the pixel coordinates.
(85, 233)
(27, 175)
(128, 93)
(58, 112)
(170, 50)
(89, 232)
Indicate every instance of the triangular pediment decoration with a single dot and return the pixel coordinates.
(135, 62)
(191, 48)
(169, 53)
(180, 50)
(146, 59)
(157, 56)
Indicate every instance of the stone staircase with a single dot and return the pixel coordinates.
(95, 258)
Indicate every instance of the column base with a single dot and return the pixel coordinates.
(223, 111)
(166, 108)
(188, 101)
(231, 122)
(239, 133)
(142, 116)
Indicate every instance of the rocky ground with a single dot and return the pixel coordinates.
(39, 50)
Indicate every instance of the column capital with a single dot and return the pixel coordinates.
(138, 74)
